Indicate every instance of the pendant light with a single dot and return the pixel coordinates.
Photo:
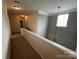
(58, 9)
(56, 31)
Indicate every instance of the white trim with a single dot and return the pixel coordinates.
(43, 13)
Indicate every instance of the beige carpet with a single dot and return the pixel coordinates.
(21, 49)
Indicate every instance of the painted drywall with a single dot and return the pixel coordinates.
(42, 23)
(46, 48)
(14, 19)
(65, 36)
(32, 21)
(14, 23)
(29, 22)
(26, 18)
(5, 31)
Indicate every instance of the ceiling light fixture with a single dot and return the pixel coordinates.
(16, 7)
(16, 4)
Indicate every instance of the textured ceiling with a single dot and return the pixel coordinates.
(47, 6)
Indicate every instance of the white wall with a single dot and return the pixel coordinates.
(5, 31)
(42, 23)
(32, 21)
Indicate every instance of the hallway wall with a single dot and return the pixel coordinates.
(42, 23)
(29, 21)
(14, 23)
(5, 31)
(32, 21)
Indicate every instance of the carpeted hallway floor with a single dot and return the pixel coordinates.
(21, 49)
